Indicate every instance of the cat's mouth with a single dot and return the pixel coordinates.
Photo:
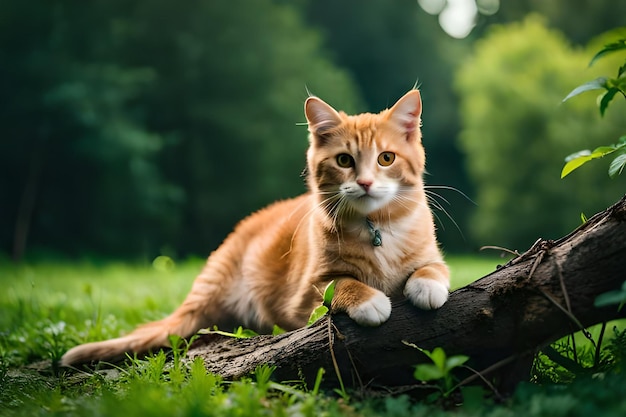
(364, 201)
(368, 203)
(366, 197)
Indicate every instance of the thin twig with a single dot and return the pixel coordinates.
(574, 348)
(354, 367)
(489, 369)
(500, 248)
(559, 271)
(568, 309)
(568, 314)
(596, 361)
(568, 304)
(536, 263)
(334, 359)
(485, 380)
(571, 365)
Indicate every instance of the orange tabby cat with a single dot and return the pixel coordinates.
(364, 223)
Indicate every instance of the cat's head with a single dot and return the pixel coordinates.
(367, 163)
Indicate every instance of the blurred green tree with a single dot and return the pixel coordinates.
(78, 167)
(579, 20)
(231, 83)
(515, 134)
(130, 126)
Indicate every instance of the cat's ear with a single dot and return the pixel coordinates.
(406, 113)
(320, 116)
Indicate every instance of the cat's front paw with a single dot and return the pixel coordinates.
(425, 293)
(373, 312)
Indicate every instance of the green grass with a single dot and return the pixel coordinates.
(49, 307)
(52, 305)
(466, 269)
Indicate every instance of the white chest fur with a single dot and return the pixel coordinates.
(392, 257)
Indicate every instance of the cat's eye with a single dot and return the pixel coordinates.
(386, 158)
(344, 160)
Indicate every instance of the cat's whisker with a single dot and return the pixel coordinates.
(402, 201)
(322, 204)
(439, 207)
(432, 202)
(427, 188)
(407, 198)
(340, 207)
(432, 196)
(388, 210)
(435, 203)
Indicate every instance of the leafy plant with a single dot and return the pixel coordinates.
(238, 333)
(611, 87)
(508, 92)
(616, 349)
(321, 310)
(587, 353)
(440, 369)
(180, 347)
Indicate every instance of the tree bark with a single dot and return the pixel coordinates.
(499, 321)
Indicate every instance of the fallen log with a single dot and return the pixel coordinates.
(499, 321)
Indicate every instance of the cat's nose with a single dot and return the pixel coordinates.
(365, 184)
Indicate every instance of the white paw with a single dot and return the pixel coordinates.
(372, 312)
(426, 293)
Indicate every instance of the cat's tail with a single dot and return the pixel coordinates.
(184, 322)
(202, 308)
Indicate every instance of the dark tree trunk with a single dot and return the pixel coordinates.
(499, 321)
(28, 197)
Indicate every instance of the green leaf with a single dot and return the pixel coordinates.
(263, 375)
(428, 372)
(606, 99)
(574, 164)
(597, 84)
(438, 356)
(329, 293)
(317, 314)
(578, 159)
(609, 48)
(600, 151)
(610, 298)
(276, 330)
(620, 83)
(617, 165)
(584, 152)
(242, 333)
(583, 218)
(239, 333)
(456, 361)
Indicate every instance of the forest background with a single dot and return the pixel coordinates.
(132, 129)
